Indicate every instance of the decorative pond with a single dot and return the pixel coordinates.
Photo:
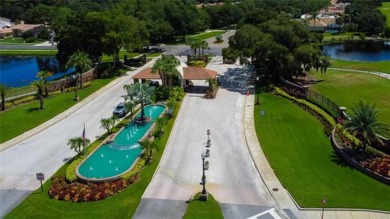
(113, 159)
(358, 51)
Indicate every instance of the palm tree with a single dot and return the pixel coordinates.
(130, 105)
(166, 67)
(194, 44)
(81, 62)
(3, 91)
(149, 146)
(364, 123)
(141, 92)
(108, 123)
(39, 85)
(204, 46)
(43, 75)
(78, 144)
(160, 121)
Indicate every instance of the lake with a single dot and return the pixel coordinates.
(18, 71)
(358, 51)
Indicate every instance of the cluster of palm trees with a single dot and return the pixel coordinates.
(197, 45)
(166, 68)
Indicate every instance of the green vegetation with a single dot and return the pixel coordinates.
(29, 116)
(385, 9)
(29, 52)
(125, 202)
(206, 35)
(203, 209)
(380, 66)
(292, 138)
(18, 40)
(110, 58)
(354, 87)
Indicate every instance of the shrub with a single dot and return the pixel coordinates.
(70, 174)
(31, 39)
(23, 100)
(197, 63)
(132, 174)
(380, 165)
(55, 93)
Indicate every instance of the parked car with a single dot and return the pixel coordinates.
(120, 110)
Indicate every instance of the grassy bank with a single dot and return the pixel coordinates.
(203, 209)
(25, 117)
(380, 66)
(306, 164)
(385, 9)
(121, 205)
(206, 35)
(347, 88)
(29, 52)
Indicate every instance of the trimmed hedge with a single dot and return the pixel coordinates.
(326, 120)
(135, 170)
(70, 174)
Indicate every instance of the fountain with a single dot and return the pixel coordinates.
(110, 161)
(127, 156)
(101, 155)
(116, 169)
(90, 168)
(128, 137)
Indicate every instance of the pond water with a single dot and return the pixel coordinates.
(358, 51)
(18, 71)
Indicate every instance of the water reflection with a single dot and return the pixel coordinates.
(17, 71)
(358, 51)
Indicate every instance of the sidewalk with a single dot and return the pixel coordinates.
(280, 194)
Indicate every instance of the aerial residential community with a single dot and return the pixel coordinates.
(195, 109)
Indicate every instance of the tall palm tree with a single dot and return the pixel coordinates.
(39, 85)
(160, 121)
(149, 146)
(81, 62)
(166, 67)
(141, 92)
(364, 123)
(3, 91)
(204, 45)
(194, 43)
(43, 75)
(78, 144)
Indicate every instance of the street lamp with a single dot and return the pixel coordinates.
(323, 202)
(208, 135)
(204, 194)
(257, 89)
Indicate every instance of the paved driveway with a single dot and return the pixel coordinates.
(47, 150)
(231, 179)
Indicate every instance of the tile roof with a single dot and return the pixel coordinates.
(196, 73)
(21, 27)
(146, 74)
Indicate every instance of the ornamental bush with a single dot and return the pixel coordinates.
(70, 174)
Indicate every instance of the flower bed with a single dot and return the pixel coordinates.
(80, 192)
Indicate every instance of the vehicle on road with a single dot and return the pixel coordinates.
(120, 110)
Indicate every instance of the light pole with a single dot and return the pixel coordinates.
(203, 195)
(323, 202)
(257, 89)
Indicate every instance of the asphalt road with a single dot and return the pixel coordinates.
(232, 178)
(47, 150)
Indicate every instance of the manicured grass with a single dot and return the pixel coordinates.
(306, 164)
(17, 40)
(385, 9)
(203, 209)
(206, 35)
(346, 34)
(25, 117)
(380, 66)
(121, 205)
(29, 52)
(347, 88)
(109, 58)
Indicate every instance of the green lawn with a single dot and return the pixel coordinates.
(206, 35)
(203, 209)
(25, 117)
(385, 9)
(29, 52)
(17, 40)
(380, 66)
(306, 164)
(347, 88)
(121, 205)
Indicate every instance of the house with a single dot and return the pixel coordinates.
(320, 24)
(21, 29)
